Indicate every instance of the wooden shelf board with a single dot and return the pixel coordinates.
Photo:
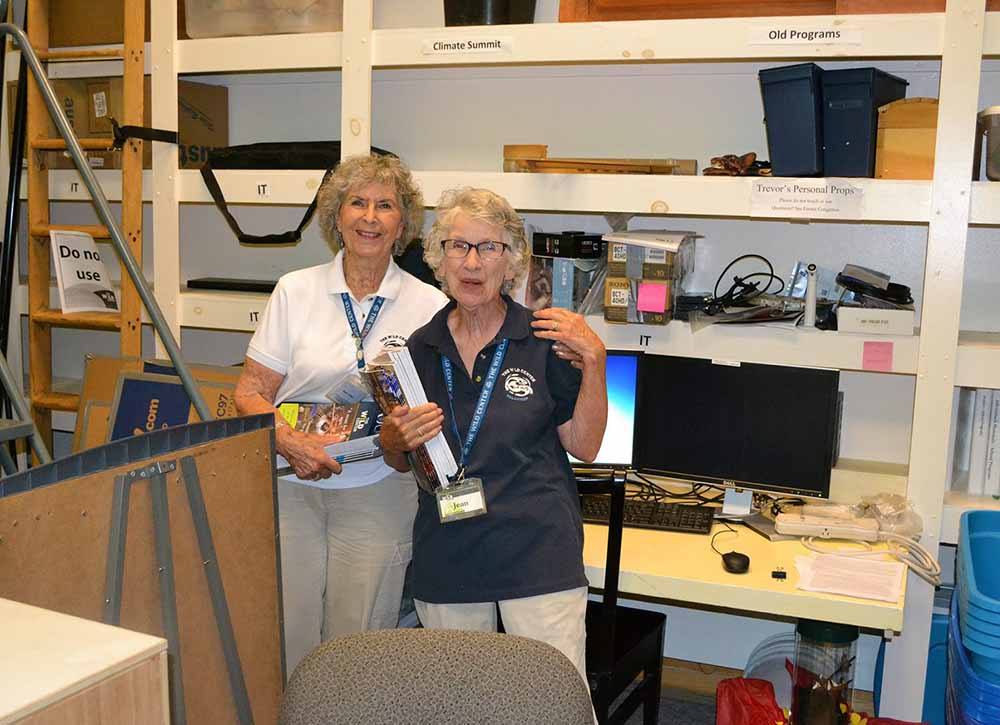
(892, 201)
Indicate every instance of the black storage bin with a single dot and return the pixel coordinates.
(793, 112)
(851, 99)
(488, 12)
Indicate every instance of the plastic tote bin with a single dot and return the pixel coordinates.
(851, 99)
(488, 12)
(970, 697)
(214, 18)
(988, 135)
(793, 112)
(936, 681)
(978, 550)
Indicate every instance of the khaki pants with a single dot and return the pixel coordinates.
(558, 619)
(344, 554)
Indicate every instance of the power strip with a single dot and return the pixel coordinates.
(795, 524)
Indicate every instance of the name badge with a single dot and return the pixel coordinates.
(462, 501)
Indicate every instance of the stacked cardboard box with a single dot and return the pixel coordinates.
(645, 269)
(91, 103)
(139, 396)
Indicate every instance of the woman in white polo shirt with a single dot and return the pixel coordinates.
(345, 532)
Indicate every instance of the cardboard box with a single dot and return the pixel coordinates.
(625, 260)
(95, 425)
(621, 302)
(872, 321)
(101, 375)
(95, 22)
(907, 134)
(657, 264)
(852, 7)
(90, 103)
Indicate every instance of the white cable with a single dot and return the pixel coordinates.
(901, 548)
(809, 317)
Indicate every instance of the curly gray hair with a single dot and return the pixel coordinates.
(356, 172)
(485, 206)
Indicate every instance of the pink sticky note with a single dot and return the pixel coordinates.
(877, 356)
(652, 297)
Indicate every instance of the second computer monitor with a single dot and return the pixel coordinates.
(764, 427)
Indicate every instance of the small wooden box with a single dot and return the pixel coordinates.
(852, 7)
(907, 131)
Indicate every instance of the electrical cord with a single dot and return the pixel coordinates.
(901, 548)
(742, 292)
(717, 533)
(647, 490)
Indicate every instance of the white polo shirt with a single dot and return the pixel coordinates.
(305, 336)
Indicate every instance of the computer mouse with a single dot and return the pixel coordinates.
(735, 563)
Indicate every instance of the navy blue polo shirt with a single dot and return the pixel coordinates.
(530, 541)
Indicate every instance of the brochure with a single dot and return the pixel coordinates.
(357, 423)
(84, 284)
(394, 381)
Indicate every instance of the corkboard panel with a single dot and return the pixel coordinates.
(53, 554)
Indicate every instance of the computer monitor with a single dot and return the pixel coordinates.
(623, 382)
(765, 427)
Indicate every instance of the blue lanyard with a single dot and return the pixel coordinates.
(360, 335)
(484, 401)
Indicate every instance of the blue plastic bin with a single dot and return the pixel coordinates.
(793, 112)
(979, 549)
(851, 99)
(969, 693)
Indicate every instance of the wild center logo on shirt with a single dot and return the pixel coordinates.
(517, 383)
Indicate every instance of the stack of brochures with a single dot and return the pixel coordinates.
(394, 381)
(357, 423)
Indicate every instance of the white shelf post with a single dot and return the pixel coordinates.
(166, 214)
(356, 71)
(906, 656)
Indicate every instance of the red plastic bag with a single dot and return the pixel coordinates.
(743, 701)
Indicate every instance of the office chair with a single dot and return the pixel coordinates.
(437, 677)
(622, 643)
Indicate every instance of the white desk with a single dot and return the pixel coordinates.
(683, 568)
(60, 669)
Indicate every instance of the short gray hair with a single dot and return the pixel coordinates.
(485, 206)
(356, 172)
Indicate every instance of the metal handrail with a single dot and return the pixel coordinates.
(104, 212)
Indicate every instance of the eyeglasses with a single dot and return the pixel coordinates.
(459, 249)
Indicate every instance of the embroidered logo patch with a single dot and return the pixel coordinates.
(393, 341)
(517, 383)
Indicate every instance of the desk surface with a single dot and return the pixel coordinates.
(683, 567)
(46, 656)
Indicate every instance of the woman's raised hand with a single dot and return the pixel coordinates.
(573, 338)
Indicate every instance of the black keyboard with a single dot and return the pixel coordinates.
(662, 515)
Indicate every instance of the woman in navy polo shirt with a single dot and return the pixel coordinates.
(513, 391)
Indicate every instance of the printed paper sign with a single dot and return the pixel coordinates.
(795, 34)
(806, 198)
(484, 44)
(83, 281)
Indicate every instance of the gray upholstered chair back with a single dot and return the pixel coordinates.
(436, 677)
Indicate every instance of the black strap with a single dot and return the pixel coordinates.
(124, 133)
(291, 237)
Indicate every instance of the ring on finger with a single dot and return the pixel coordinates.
(555, 326)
